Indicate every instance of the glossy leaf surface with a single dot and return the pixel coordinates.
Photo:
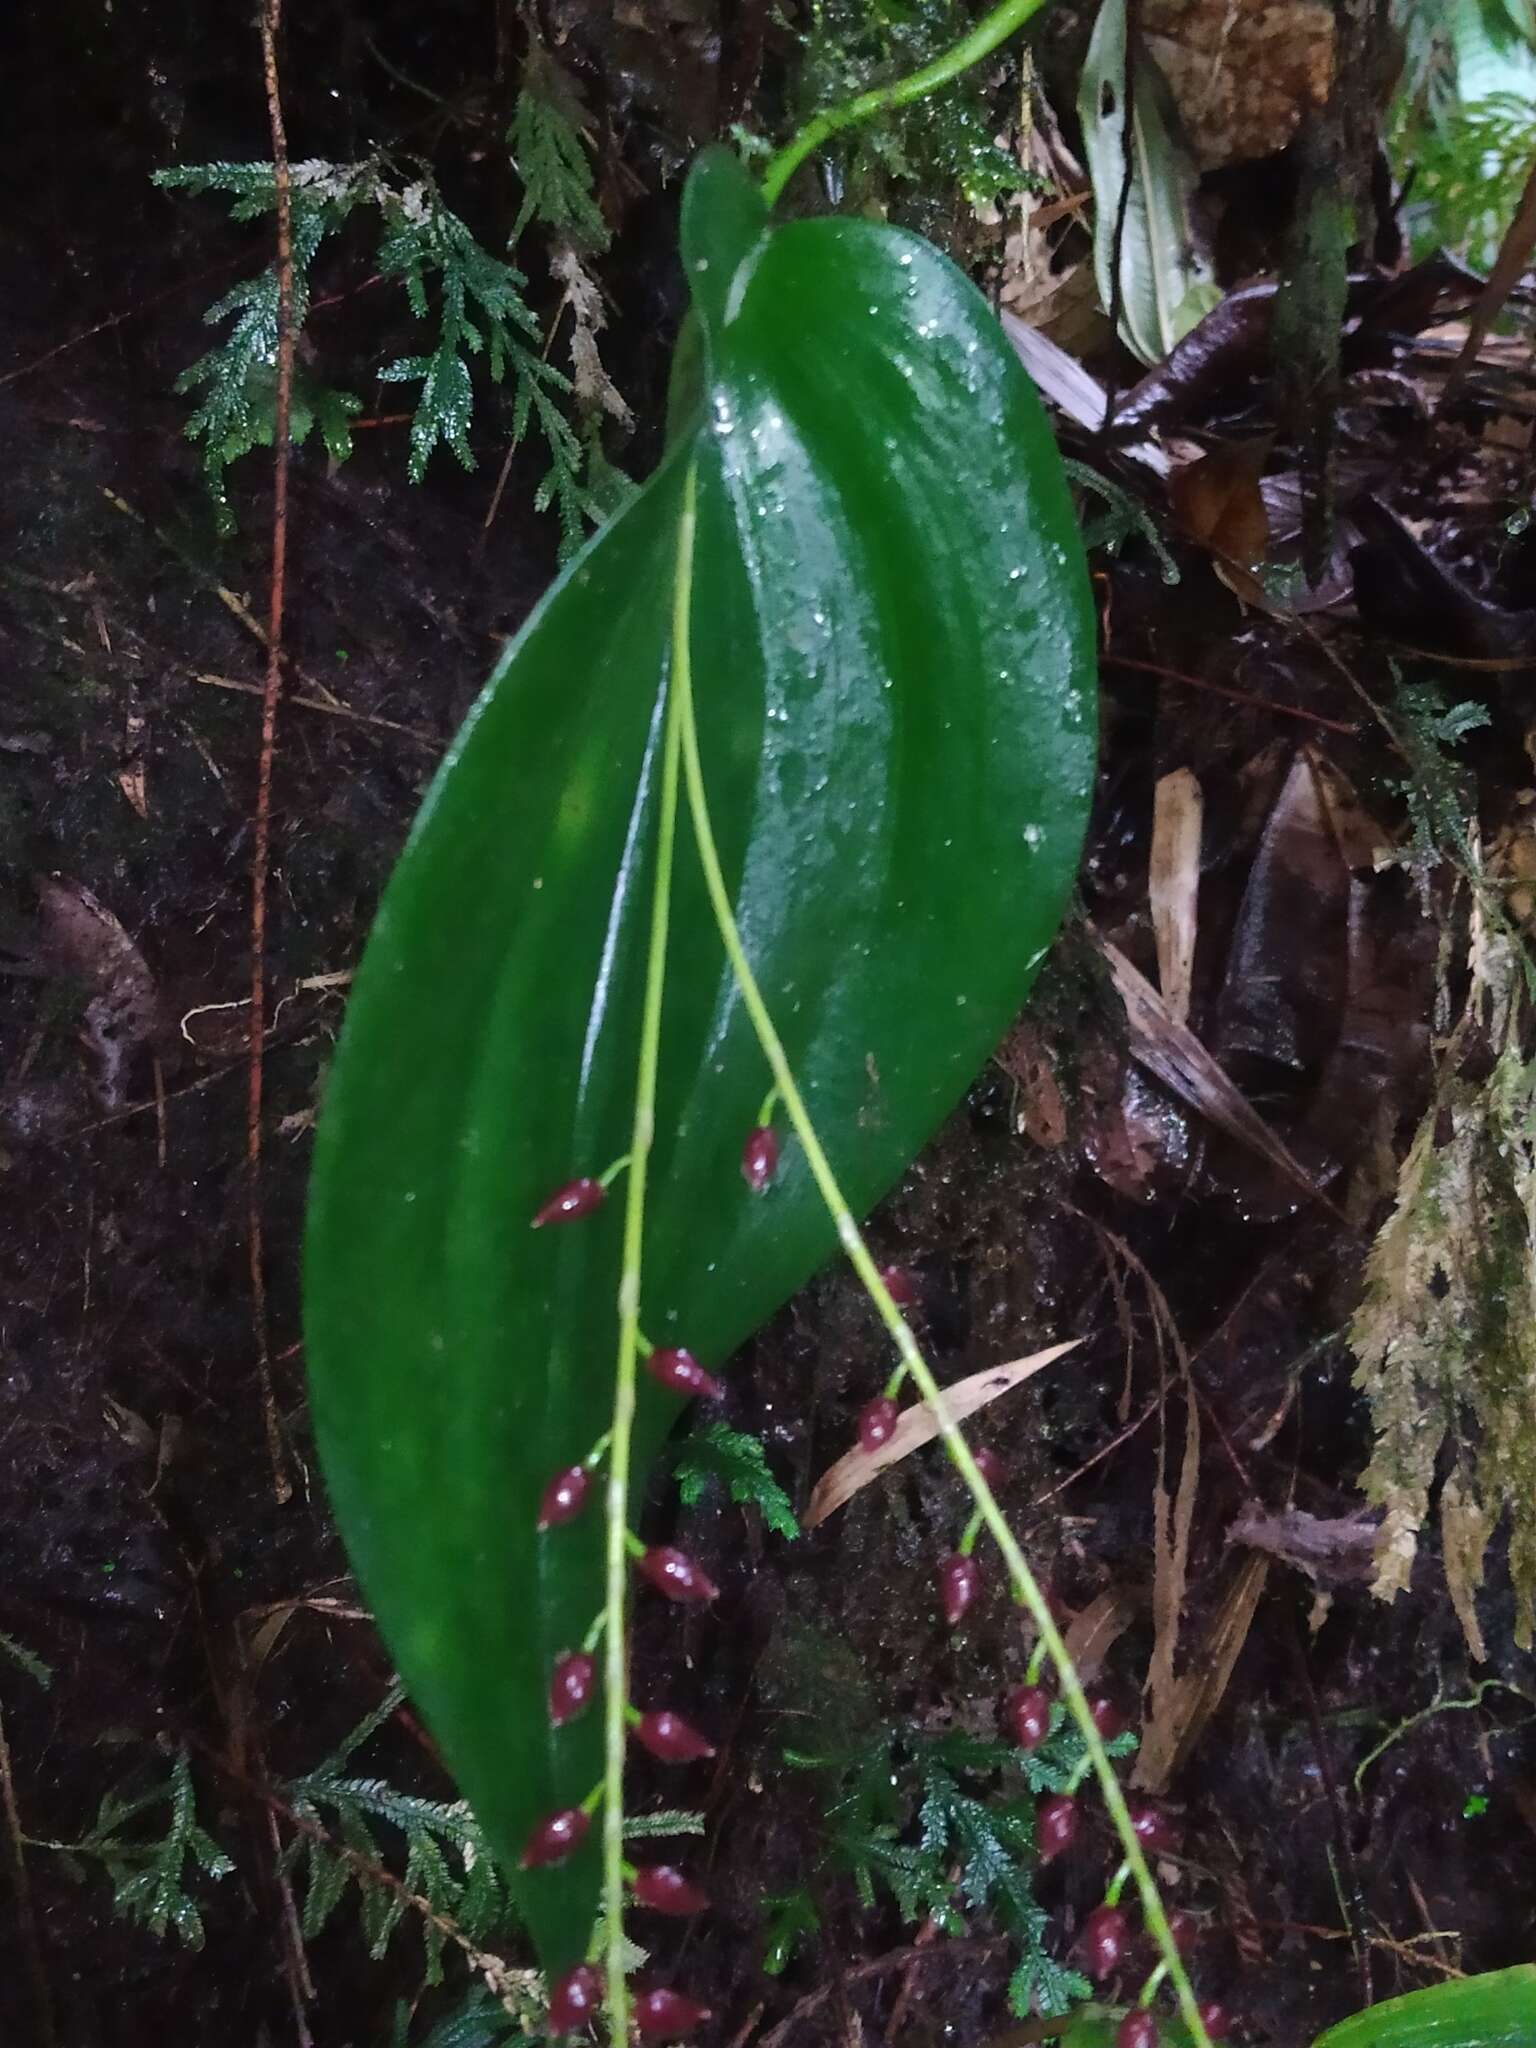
(891, 643)
(1495, 2010)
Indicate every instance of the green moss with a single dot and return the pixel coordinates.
(1446, 1332)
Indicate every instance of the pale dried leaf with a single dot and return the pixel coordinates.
(1465, 1527)
(1092, 1634)
(594, 387)
(919, 1425)
(1026, 1060)
(1182, 1716)
(1173, 884)
(1172, 1524)
(86, 944)
(1172, 1052)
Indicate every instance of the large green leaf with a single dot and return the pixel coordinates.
(1496, 2010)
(891, 644)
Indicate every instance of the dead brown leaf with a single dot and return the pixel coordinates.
(1332, 1550)
(84, 942)
(1183, 1712)
(1025, 1059)
(1091, 1635)
(1172, 1523)
(1172, 1052)
(919, 1425)
(1218, 504)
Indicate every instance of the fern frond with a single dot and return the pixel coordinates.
(28, 1660)
(719, 1454)
(551, 158)
(149, 1876)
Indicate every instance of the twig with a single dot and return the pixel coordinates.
(1438, 1705)
(878, 1966)
(301, 1985)
(1099, 1455)
(1405, 1951)
(117, 319)
(1342, 1856)
(1175, 675)
(271, 15)
(26, 1919)
(1514, 250)
(412, 732)
(502, 1978)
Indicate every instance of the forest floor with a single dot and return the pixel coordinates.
(1209, 1273)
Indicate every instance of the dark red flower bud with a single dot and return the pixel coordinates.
(674, 1573)
(900, 1285)
(665, 2015)
(681, 1373)
(557, 1836)
(1137, 2030)
(565, 1496)
(666, 1890)
(1154, 1830)
(760, 1158)
(1107, 1717)
(1105, 1934)
(576, 1198)
(570, 1687)
(576, 1998)
(1029, 1715)
(670, 1739)
(1056, 1819)
(1215, 2019)
(877, 1422)
(991, 1467)
(1183, 1930)
(959, 1583)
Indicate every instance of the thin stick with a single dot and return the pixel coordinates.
(615, 1675)
(1026, 1589)
(410, 732)
(117, 319)
(983, 39)
(1177, 675)
(1514, 251)
(261, 850)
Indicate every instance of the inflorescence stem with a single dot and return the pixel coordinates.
(983, 39)
(615, 1675)
(1025, 1587)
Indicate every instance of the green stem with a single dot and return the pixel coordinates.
(1025, 1587)
(618, 1556)
(983, 39)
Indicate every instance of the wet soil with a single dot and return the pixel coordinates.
(143, 1554)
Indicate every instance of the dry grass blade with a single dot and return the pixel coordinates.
(1173, 884)
(919, 1425)
(1185, 1706)
(1172, 1052)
